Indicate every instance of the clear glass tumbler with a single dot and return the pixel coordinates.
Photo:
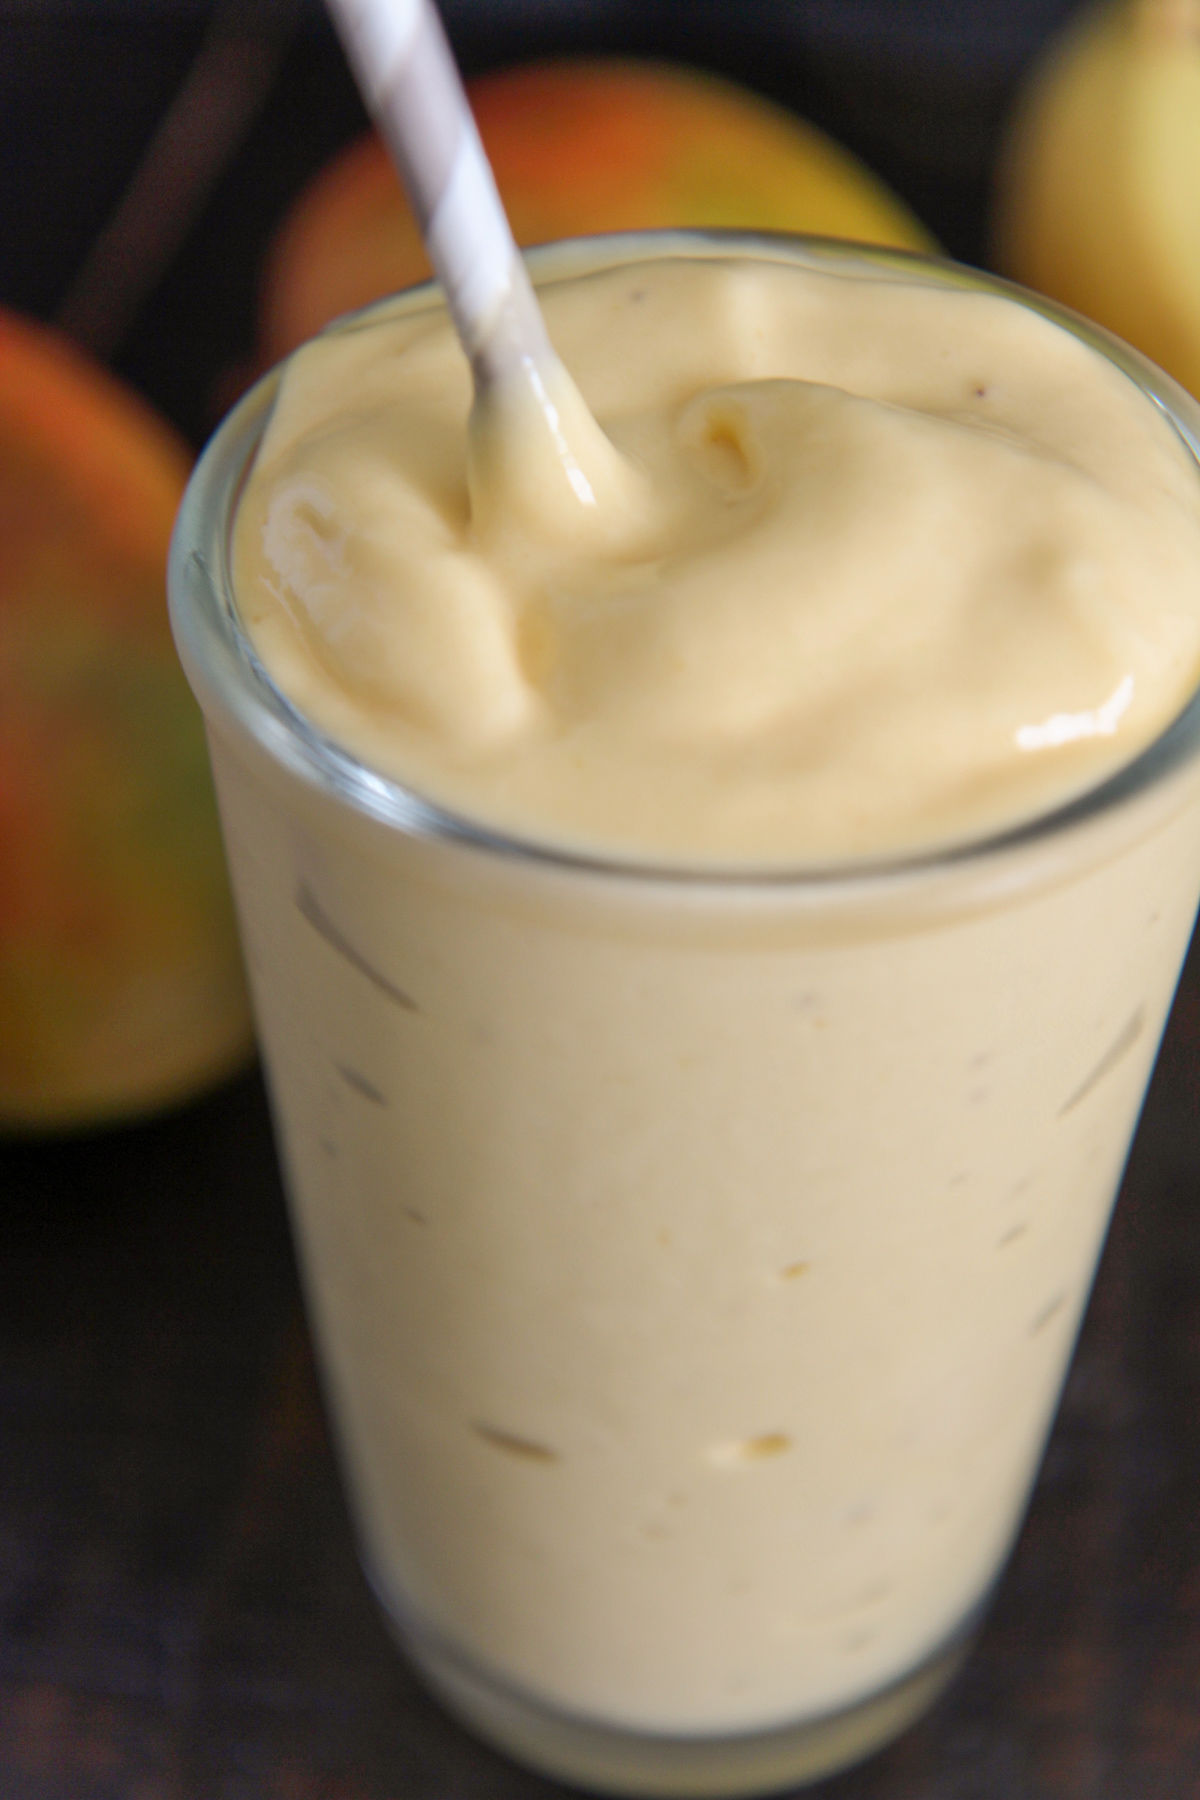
(694, 1260)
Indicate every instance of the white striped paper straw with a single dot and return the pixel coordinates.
(408, 77)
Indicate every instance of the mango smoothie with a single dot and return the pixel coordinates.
(710, 941)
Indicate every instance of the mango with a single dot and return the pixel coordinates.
(121, 988)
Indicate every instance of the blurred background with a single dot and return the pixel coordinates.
(917, 88)
(181, 1612)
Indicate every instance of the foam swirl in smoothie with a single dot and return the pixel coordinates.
(898, 566)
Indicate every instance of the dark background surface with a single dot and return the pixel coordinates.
(181, 1615)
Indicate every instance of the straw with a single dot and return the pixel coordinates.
(406, 72)
(524, 399)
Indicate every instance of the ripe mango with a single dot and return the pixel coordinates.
(120, 981)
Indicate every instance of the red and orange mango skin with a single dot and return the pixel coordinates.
(120, 983)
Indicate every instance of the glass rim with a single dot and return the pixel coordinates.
(223, 665)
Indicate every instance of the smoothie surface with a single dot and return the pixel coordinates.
(898, 566)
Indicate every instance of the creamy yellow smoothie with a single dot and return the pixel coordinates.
(710, 938)
(892, 567)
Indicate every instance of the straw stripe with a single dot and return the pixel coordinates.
(378, 39)
(406, 71)
(472, 248)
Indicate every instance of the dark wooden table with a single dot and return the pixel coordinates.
(181, 1612)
